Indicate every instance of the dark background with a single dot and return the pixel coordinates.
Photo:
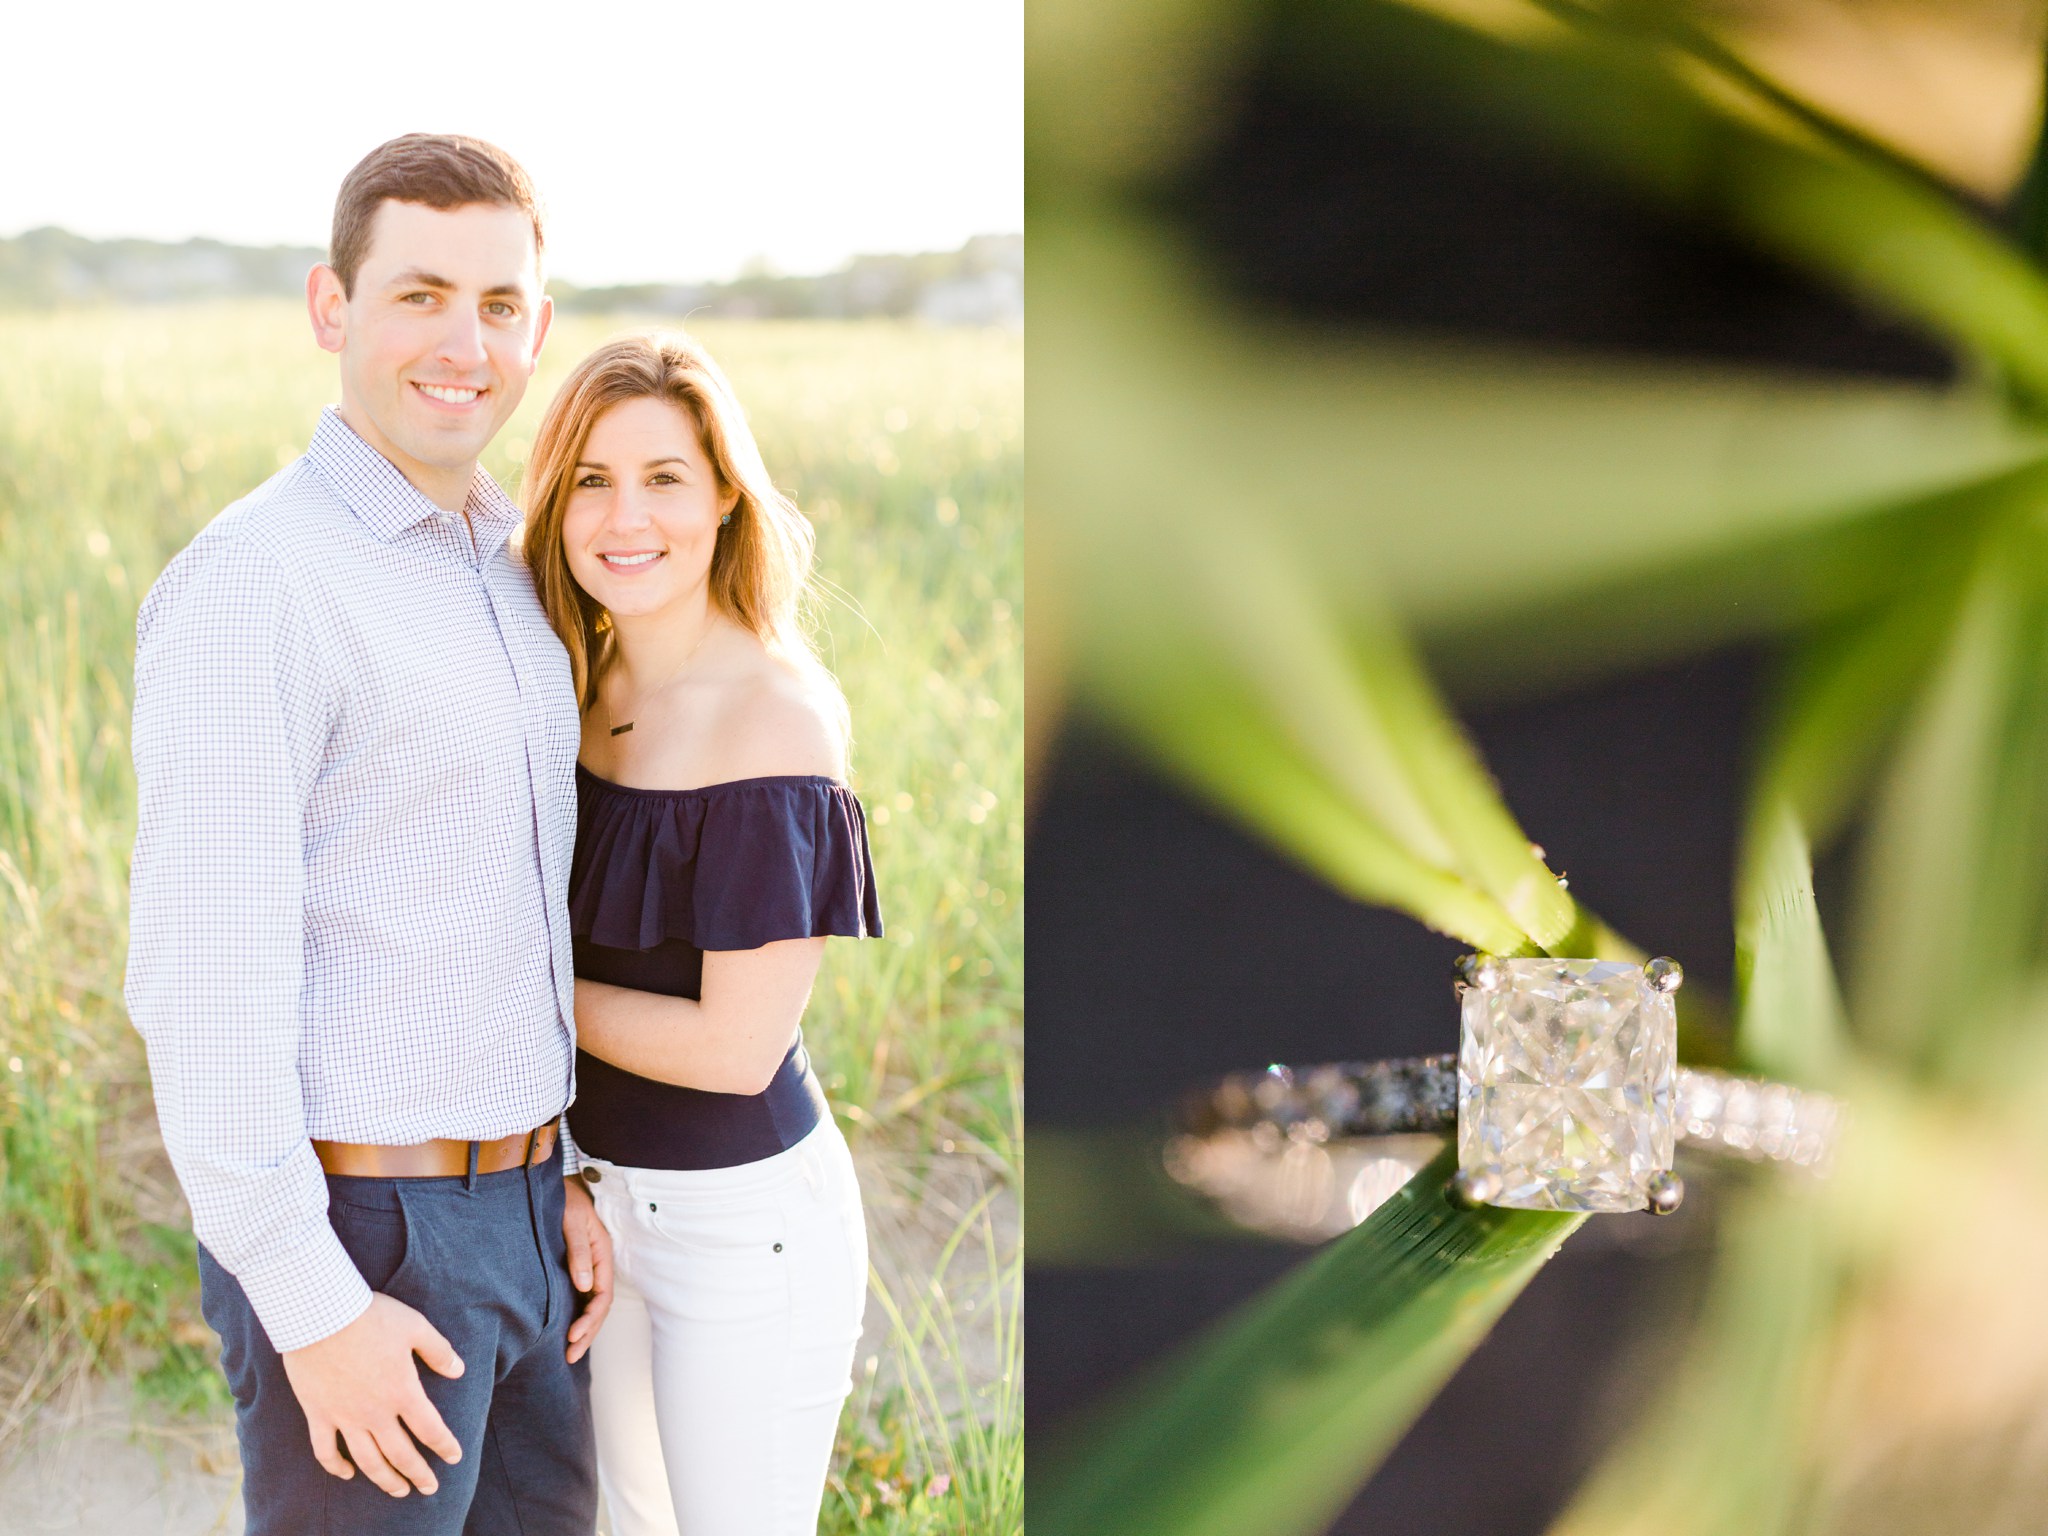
(1164, 946)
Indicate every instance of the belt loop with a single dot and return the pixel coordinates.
(531, 1137)
(469, 1178)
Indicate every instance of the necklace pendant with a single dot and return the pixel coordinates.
(620, 730)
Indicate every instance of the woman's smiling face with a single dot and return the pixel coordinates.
(643, 509)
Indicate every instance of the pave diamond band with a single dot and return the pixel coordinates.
(1711, 1111)
(1308, 1153)
(1344, 1098)
(1564, 1095)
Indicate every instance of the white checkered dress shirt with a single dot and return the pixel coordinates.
(355, 750)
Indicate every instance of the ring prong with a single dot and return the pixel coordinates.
(1666, 1191)
(1470, 1188)
(1664, 974)
(1480, 971)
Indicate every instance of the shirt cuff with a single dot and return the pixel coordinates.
(305, 1295)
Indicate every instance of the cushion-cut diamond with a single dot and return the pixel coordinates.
(1564, 1084)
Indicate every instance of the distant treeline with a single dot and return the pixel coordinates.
(982, 283)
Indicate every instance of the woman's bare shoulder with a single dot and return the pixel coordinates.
(779, 718)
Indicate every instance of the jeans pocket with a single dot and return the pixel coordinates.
(724, 1230)
(378, 1239)
(728, 1263)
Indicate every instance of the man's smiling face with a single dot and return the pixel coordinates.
(439, 338)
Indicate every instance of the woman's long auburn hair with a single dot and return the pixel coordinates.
(761, 560)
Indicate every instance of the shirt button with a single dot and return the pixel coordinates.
(593, 1175)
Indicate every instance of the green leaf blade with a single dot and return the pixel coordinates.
(1841, 699)
(1792, 1023)
(1225, 664)
(1268, 1423)
(1930, 901)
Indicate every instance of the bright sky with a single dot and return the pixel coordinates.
(670, 139)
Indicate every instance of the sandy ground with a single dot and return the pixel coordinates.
(91, 1464)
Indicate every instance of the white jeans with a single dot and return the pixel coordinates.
(717, 1380)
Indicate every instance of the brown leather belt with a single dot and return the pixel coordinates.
(436, 1159)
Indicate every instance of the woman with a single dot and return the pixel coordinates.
(717, 844)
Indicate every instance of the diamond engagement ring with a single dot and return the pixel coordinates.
(1565, 1095)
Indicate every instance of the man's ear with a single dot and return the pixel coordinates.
(543, 318)
(325, 306)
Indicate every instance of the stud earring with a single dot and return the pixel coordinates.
(725, 519)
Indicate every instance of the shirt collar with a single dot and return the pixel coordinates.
(388, 503)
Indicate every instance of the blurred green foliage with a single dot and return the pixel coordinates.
(1266, 538)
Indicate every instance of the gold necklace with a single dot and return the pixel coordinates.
(620, 730)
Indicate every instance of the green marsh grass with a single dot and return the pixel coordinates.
(950, 1403)
(123, 430)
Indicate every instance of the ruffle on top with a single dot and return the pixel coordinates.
(728, 866)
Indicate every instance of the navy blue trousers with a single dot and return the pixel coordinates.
(487, 1264)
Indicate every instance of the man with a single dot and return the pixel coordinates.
(355, 740)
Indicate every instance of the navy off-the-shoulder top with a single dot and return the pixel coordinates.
(662, 875)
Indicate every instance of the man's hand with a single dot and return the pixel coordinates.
(590, 1265)
(361, 1384)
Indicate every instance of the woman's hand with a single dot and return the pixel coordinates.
(590, 1264)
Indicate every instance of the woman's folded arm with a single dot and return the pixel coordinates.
(731, 1041)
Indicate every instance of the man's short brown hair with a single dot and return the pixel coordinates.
(441, 170)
